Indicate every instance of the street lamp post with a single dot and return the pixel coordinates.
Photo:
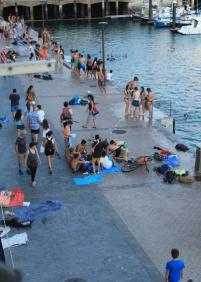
(43, 16)
(103, 26)
(174, 7)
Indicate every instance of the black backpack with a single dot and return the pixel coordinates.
(169, 176)
(66, 115)
(49, 147)
(162, 169)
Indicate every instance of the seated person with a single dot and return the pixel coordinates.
(82, 148)
(118, 150)
(69, 155)
(76, 162)
(105, 161)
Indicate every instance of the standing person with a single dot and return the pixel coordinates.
(30, 98)
(41, 113)
(67, 132)
(142, 100)
(127, 100)
(174, 268)
(90, 116)
(89, 66)
(14, 100)
(46, 129)
(31, 161)
(34, 124)
(67, 114)
(133, 83)
(101, 81)
(149, 102)
(21, 148)
(19, 121)
(49, 149)
(136, 103)
(97, 153)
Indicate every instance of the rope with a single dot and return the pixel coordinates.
(7, 237)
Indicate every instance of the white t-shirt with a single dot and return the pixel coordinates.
(41, 114)
(45, 131)
(106, 162)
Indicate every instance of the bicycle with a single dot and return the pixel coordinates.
(134, 164)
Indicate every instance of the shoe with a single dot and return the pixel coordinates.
(84, 126)
(50, 171)
(20, 172)
(94, 127)
(28, 171)
(33, 184)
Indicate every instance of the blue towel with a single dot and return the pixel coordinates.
(88, 180)
(111, 170)
(37, 211)
(171, 160)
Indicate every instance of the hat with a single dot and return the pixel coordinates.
(135, 78)
(9, 275)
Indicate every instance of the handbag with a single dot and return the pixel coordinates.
(95, 110)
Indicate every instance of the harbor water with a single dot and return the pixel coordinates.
(170, 64)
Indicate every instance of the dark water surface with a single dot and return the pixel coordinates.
(168, 63)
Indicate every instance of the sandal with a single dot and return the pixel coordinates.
(84, 126)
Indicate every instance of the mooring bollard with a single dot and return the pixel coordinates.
(173, 126)
(197, 170)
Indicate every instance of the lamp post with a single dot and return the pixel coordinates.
(103, 26)
(174, 8)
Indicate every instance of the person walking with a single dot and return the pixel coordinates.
(50, 148)
(14, 100)
(174, 268)
(32, 160)
(67, 114)
(90, 115)
(67, 132)
(33, 120)
(21, 148)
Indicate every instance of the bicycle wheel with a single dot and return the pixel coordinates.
(129, 166)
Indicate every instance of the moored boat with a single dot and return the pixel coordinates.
(193, 29)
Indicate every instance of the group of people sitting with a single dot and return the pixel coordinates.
(101, 155)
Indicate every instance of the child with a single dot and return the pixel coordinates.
(174, 268)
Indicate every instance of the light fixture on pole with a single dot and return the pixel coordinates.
(103, 26)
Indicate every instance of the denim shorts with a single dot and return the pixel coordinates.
(14, 108)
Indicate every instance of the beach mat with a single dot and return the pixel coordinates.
(88, 180)
(111, 170)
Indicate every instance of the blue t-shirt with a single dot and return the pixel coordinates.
(175, 267)
(34, 121)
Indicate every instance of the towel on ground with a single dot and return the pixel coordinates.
(111, 170)
(16, 240)
(88, 180)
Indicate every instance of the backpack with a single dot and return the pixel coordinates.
(181, 147)
(158, 157)
(46, 76)
(162, 169)
(169, 176)
(66, 115)
(49, 148)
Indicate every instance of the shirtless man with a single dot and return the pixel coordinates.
(149, 102)
(101, 81)
(89, 65)
(82, 148)
(133, 83)
(136, 102)
(81, 65)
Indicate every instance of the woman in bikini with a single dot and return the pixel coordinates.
(149, 102)
(127, 99)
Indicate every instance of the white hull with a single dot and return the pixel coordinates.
(193, 29)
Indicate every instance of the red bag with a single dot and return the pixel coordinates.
(12, 198)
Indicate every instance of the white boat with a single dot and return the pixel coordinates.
(194, 28)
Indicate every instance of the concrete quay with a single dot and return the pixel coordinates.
(120, 230)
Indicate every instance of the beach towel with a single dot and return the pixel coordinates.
(12, 198)
(16, 240)
(88, 180)
(111, 170)
(37, 211)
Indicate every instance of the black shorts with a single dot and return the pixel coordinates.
(35, 131)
